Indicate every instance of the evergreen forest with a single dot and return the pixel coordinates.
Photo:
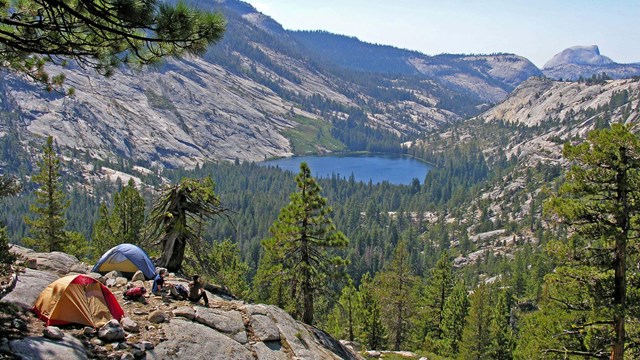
(430, 266)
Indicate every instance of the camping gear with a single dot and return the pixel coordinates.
(134, 293)
(179, 292)
(77, 299)
(127, 259)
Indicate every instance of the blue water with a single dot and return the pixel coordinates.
(364, 167)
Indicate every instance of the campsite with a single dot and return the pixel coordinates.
(160, 328)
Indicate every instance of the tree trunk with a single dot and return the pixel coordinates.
(350, 320)
(619, 301)
(620, 262)
(307, 288)
(172, 253)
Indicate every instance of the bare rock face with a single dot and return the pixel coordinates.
(189, 340)
(579, 55)
(39, 348)
(586, 61)
(228, 322)
(236, 331)
(58, 262)
(185, 312)
(29, 286)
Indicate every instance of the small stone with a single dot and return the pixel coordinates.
(97, 342)
(129, 325)
(113, 274)
(121, 281)
(111, 282)
(111, 331)
(373, 354)
(157, 317)
(140, 312)
(119, 346)
(89, 331)
(138, 276)
(32, 264)
(147, 345)
(138, 353)
(127, 356)
(139, 283)
(151, 327)
(53, 333)
(19, 324)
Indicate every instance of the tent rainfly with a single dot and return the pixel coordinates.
(77, 299)
(127, 259)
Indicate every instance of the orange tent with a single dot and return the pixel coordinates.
(77, 299)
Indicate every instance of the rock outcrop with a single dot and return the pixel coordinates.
(579, 55)
(229, 329)
(585, 61)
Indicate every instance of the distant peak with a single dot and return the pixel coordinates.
(579, 55)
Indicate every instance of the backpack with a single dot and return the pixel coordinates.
(179, 291)
(134, 293)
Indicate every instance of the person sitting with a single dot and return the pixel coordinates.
(158, 282)
(196, 291)
(134, 293)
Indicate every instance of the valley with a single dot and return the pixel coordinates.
(475, 241)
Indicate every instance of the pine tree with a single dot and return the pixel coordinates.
(455, 310)
(101, 34)
(176, 215)
(219, 261)
(439, 286)
(303, 241)
(8, 186)
(397, 295)
(373, 331)
(47, 228)
(600, 201)
(103, 237)
(129, 210)
(501, 331)
(121, 225)
(476, 339)
(345, 321)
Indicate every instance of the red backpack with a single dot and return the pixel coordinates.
(135, 293)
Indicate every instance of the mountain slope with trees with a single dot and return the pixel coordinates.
(249, 94)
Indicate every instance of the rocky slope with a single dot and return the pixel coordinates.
(240, 99)
(161, 328)
(522, 140)
(586, 61)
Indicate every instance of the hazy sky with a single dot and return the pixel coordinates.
(535, 29)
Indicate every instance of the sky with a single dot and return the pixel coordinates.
(536, 29)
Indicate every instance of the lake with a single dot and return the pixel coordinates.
(395, 169)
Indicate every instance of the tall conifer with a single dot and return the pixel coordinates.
(303, 243)
(47, 228)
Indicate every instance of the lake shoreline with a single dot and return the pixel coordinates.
(398, 169)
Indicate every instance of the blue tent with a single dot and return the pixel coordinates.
(126, 258)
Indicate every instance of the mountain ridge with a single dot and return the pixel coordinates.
(245, 96)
